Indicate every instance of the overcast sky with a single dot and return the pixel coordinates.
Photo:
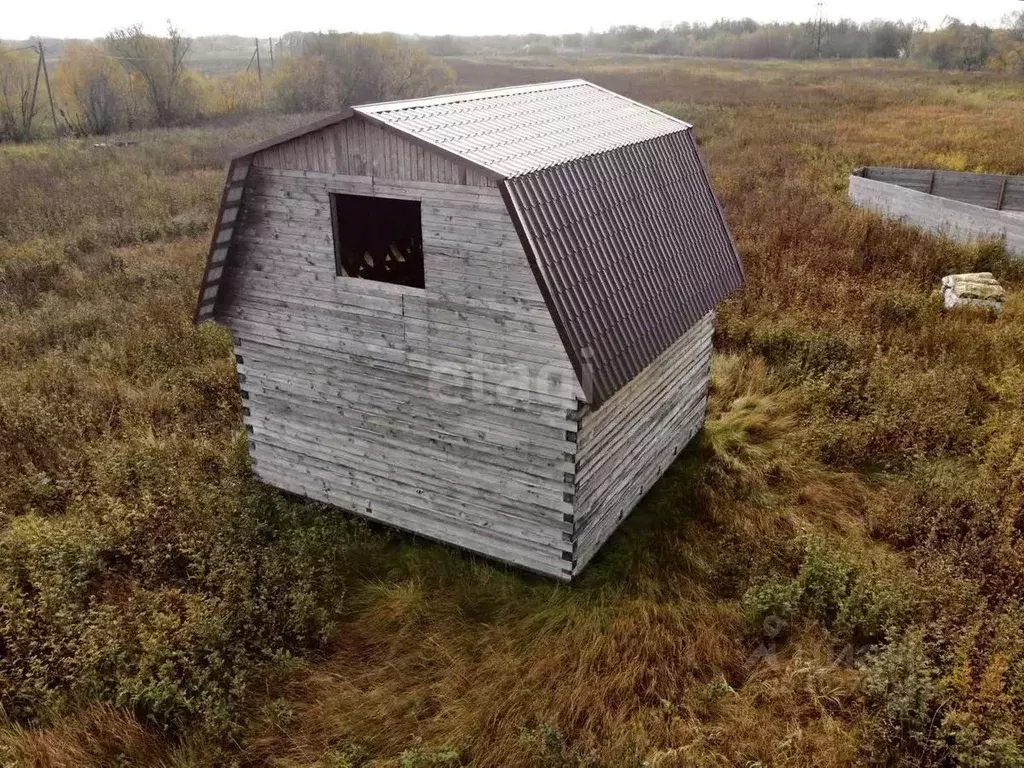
(74, 18)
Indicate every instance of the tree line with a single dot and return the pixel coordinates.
(954, 45)
(132, 80)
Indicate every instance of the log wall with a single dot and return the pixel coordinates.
(629, 442)
(448, 411)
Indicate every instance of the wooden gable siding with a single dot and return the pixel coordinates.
(359, 147)
(432, 410)
(629, 442)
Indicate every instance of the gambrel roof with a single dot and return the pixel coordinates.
(610, 199)
(519, 130)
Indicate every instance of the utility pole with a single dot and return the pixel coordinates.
(32, 103)
(259, 69)
(820, 25)
(270, 42)
(49, 91)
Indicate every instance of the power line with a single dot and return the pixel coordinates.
(41, 69)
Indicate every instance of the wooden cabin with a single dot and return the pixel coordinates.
(484, 317)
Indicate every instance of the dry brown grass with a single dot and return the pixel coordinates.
(830, 577)
(97, 735)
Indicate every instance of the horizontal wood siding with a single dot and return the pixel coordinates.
(359, 147)
(629, 442)
(961, 221)
(447, 411)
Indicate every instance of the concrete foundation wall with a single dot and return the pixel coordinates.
(989, 190)
(960, 221)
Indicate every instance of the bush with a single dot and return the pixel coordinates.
(552, 751)
(336, 70)
(902, 682)
(857, 604)
(174, 623)
(916, 713)
(417, 757)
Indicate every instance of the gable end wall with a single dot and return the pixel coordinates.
(360, 147)
(449, 411)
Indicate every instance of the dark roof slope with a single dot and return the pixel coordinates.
(631, 250)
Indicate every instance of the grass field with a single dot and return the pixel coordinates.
(832, 575)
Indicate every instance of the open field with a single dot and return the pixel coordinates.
(834, 575)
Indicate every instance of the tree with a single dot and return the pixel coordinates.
(1015, 25)
(889, 39)
(335, 69)
(160, 63)
(18, 80)
(959, 46)
(93, 91)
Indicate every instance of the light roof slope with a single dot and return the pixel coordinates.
(513, 131)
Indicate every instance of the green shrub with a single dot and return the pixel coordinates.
(903, 685)
(916, 712)
(823, 584)
(418, 757)
(253, 584)
(876, 606)
(971, 745)
(553, 751)
(771, 607)
(859, 605)
(349, 757)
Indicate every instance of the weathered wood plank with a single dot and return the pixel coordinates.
(451, 407)
(358, 146)
(338, 388)
(626, 445)
(444, 468)
(322, 486)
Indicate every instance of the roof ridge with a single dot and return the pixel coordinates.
(461, 96)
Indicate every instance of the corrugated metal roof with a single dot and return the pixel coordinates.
(512, 131)
(631, 250)
(610, 198)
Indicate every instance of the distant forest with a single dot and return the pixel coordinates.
(135, 79)
(954, 45)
